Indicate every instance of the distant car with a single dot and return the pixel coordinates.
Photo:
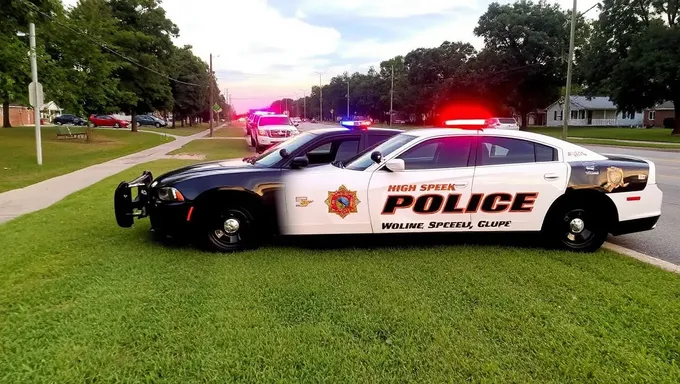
(151, 120)
(108, 121)
(242, 119)
(69, 120)
(503, 123)
(356, 122)
(270, 130)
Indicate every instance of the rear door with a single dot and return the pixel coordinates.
(516, 181)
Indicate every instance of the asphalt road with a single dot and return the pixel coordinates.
(663, 242)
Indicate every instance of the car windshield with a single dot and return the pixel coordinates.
(274, 120)
(364, 160)
(273, 155)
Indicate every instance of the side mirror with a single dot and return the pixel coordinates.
(396, 165)
(299, 162)
(376, 156)
(283, 153)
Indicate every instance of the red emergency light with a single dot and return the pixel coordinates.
(464, 116)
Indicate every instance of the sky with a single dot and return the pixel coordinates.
(265, 50)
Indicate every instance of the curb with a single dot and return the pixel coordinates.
(665, 265)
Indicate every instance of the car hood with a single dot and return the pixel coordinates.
(204, 169)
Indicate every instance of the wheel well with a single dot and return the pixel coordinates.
(592, 198)
(254, 203)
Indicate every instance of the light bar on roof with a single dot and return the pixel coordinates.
(466, 122)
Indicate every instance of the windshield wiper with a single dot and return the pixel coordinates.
(250, 159)
(338, 163)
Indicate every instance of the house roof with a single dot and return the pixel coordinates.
(668, 105)
(588, 103)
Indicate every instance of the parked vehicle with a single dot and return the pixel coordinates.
(502, 123)
(68, 119)
(151, 120)
(108, 121)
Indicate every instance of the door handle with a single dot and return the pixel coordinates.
(551, 176)
(460, 185)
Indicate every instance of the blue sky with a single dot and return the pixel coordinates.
(267, 49)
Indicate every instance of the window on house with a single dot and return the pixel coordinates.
(574, 114)
(652, 115)
(554, 115)
(561, 115)
(582, 114)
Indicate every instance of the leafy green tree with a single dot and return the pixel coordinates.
(15, 72)
(145, 37)
(633, 55)
(189, 99)
(525, 49)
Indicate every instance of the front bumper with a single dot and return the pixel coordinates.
(125, 206)
(266, 140)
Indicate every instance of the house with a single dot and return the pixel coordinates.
(654, 116)
(18, 115)
(595, 111)
(49, 111)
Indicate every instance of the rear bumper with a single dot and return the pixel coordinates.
(636, 225)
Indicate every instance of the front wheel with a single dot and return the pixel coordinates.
(579, 228)
(158, 125)
(228, 229)
(116, 125)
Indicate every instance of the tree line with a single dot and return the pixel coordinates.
(629, 53)
(104, 56)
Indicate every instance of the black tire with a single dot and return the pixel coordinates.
(253, 143)
(158, 125)
(578, 227)
(212, 234)
(116, 125)
(94, 125)
(58, 122)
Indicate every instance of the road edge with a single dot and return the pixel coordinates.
(665, 265)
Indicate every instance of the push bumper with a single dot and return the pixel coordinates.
(125, 206)
(267, 141)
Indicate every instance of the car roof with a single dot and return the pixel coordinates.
(276, 115)
(548, 140)
(323, 131)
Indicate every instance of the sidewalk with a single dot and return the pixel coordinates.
(41, 195)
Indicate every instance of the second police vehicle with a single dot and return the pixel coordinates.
(462, 179)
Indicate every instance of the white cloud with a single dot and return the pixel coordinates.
(300, 14)
(383, 8)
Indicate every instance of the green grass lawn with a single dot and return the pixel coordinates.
(186, 130)
(87, 301)
(654, 134)
(215, 149)
(233, 130)
(18, 164)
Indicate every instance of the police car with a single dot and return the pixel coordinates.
(429, 180)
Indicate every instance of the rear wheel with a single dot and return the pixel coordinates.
(116, 125)
(158, 125)
(579, 227)
(228, 229)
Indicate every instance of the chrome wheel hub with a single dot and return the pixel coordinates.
(576, 225)
(231, 226)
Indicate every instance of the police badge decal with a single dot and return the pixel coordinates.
(342, 202)
(614, 179)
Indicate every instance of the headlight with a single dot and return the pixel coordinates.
(262, 132)
(170, 194)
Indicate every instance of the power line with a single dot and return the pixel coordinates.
(104, 46)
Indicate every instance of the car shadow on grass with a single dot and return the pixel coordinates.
(523, 240)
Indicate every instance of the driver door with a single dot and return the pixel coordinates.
(431, 194)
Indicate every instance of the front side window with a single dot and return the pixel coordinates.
(338, 149)
(445, 152)
(291, 145)
(386, 148)
(502, 150)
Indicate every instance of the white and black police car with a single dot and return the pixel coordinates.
(462, 179)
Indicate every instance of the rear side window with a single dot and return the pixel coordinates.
(372, 140)
(507, 121)
(502, 150)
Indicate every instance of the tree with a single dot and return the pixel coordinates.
(525, 50)
(144, 37)
(14, 65)
(634, 53)
(189, 99)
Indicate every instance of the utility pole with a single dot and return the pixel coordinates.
(567, 93)
(348, 114)
(320, 97)
(212, 100)
(36, 99)
(226, 101)
(392, 96)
